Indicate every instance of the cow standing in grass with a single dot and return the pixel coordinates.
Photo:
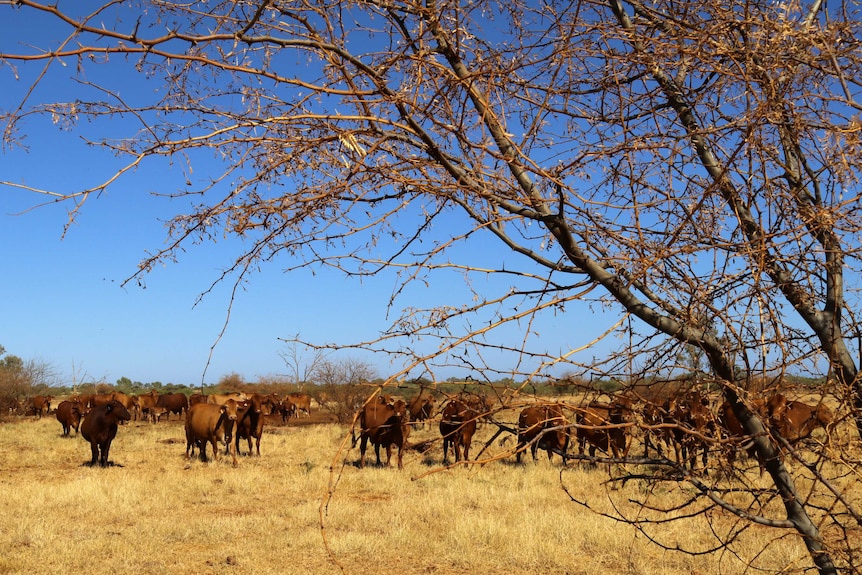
(457, 426)
(542, 427)
(99, 427)
(383, 424)
(211, 423)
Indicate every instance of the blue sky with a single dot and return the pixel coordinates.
(63, 298)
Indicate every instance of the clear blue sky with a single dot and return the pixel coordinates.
(62, 297)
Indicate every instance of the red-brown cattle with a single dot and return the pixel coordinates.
(478, 402)
(457, 426)
(287, 409)
(794, 420)
(542, 427)
(421, 407)
(100, 399)
(127, 400)
(737, 436)
(145, 403)
(157, 412)
(604, 426)
(197, 398)
(385, 425)
(250, 419)
(211, 423)
(41, 405)
(69, 415)
(221, 398)
(99, 427)
(301, 401)
(174, 403)
(9, 405)
(83, 399)
(694, 426)
(655, 416)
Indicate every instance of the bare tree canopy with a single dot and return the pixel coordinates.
(691, 166)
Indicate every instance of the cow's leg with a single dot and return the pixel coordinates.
(377, 453)
(363, 443)
(519, 449)
(106, 447)
(233, 456)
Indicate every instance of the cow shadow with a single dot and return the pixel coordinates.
(96, 464)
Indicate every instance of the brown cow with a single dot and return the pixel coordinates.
(174, 403)
(478, 402)
(654, 416)
(221, 398)
(157, 412)
(287, 409)
(211, 423)
(127, 400)
(386, 425)
(41, 405)
(457, 426)
(146, 402)
(794, 420)
(604, 426)
(542, 426)
(250, 419)
(732, 429)
(69, 415)
(99, 427)
(100, 399)
(694, 426)
(9, 405)
(421, 407)
(301, 401)
(83, 400)
(197, 398)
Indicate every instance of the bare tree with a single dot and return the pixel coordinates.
(693, 166)
(301, 366)
(343, 386)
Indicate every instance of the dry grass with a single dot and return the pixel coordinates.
(160, 514)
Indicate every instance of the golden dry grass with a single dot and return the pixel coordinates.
(160, 514)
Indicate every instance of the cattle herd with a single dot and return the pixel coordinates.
(680, 430)
(209, 419)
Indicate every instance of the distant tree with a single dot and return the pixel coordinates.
(125, 385)
(231, 382)
(14, 382)
(343, 386)
(301, 361)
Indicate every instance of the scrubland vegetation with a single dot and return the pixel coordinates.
(156, 512)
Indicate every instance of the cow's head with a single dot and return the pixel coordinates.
(118, 410)
(230, 408)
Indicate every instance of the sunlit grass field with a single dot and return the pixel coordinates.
(304, 507)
